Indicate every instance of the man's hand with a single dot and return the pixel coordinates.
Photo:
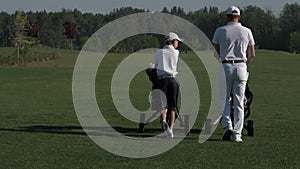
(250, 53)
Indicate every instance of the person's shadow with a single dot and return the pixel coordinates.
(78, 130)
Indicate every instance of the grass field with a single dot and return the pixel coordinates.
(39, 127)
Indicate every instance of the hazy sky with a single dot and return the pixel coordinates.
(106, 6)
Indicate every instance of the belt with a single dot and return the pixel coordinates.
(165, 77)
(233, 61)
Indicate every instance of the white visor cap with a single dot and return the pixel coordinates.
(233, 10)
(171, 36)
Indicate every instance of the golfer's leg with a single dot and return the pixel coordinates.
(161, 97)
(238, 98)
(226, 119)
(172, 119)
(164, 114)
(172, 99)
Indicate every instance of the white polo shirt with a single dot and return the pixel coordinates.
(234, 40)
(166, 60)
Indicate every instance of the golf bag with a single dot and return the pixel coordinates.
(152, 75)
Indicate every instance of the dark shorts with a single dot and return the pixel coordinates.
(167, 99)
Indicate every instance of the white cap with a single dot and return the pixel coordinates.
(171, 36)
(233, 10)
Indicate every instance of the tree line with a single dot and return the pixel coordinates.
(72, 28)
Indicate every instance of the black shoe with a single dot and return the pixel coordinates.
(142, 127)
(227, 135)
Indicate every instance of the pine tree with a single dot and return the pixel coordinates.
(19, 33)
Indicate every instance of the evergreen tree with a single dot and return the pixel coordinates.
(19, 37)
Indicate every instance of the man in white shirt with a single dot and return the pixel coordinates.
(235, 46)
(166, 60)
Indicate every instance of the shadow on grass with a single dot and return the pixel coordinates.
(49, 129)
(78, 130)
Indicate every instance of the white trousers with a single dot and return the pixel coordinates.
(236, 78)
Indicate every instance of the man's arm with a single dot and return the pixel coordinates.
(250, 53)
(217, 47)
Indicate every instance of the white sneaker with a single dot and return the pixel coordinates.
(170, 134)
(237, 139)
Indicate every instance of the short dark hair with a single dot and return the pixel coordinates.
(230, 16)
(171, 41)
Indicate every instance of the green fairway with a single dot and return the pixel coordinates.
(39, 127)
